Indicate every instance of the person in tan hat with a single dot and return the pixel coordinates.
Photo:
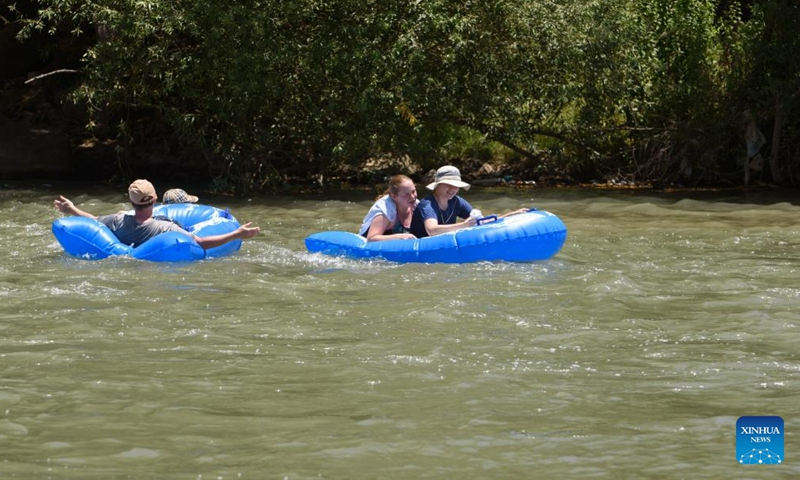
(141, 226)
(439, 212)
(177, 195)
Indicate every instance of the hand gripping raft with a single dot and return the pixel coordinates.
(91, 240)
(534, 235)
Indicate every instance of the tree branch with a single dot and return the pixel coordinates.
(39, 77)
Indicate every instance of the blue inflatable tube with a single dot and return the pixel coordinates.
(531, 236)
(89, 239)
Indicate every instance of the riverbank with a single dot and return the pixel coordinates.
(46, 142)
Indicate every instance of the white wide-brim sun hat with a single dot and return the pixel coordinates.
(448, 175)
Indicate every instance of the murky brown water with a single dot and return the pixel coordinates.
(631, 354)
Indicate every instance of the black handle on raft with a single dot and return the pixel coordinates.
(488, 217)
(532, 209)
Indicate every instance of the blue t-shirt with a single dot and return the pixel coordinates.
(428, 207)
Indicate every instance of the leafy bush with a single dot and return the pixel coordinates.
(265, 90)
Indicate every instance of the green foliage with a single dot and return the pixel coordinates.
(685, 97)
(265, 89)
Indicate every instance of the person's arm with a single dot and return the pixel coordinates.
(211, 241)
(379, 225)
(433, 228)
(515, 212)
(65, 205)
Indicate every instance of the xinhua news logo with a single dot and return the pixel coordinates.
(759, 440)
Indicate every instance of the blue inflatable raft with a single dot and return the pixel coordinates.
(89, 239)
(531, 236)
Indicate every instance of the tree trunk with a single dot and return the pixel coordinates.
(774, 160)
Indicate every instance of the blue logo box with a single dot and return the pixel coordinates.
(759, 440)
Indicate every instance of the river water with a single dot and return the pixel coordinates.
(631, 354)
